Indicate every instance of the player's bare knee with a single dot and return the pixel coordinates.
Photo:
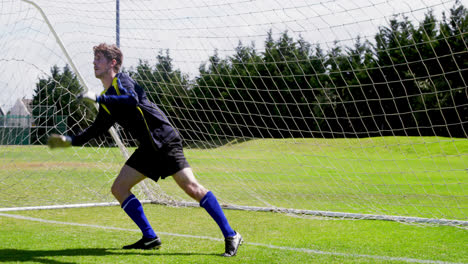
(195, 190)
(115, 190)
(118, 190)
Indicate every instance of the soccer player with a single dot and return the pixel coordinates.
(159, 154)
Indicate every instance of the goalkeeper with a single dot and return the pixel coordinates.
(159, 154)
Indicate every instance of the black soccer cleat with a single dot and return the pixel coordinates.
(145, 243)
(232, 244)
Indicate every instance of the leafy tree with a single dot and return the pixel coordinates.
(410, 81)
(55, 108)
(451, 86)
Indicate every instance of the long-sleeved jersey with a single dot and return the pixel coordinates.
(126, 103)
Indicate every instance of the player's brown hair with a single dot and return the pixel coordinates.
(110, 52)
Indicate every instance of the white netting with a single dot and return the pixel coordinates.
(357, 107)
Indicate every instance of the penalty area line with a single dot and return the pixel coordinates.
(303, 250)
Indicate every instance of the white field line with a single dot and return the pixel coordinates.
(303, 250)
(337, 215)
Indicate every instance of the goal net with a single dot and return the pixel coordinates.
(337, 108)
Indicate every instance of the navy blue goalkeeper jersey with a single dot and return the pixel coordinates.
(125, 102)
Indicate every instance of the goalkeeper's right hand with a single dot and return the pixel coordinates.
(59, 141)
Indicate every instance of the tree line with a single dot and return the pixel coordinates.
(409, 81)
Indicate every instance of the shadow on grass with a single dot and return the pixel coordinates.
(46, 256)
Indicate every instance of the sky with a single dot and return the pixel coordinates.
(191, 30)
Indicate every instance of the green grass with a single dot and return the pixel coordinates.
(409, 176)
(270, 238)
(400, 175)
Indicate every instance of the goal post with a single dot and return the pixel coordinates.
(341, 109)
(82, 81)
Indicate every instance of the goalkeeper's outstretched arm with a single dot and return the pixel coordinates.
(101, 124)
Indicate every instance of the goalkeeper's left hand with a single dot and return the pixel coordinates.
(59, 141)
(88, 96)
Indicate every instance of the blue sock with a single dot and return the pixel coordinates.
(134, 209)
(211, 205)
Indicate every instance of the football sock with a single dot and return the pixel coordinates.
(134, 209)
(211, 205)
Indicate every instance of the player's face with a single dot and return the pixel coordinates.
(102, 66)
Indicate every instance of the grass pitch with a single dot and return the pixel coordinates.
(190, 236)
(405, 176)
(423, 177)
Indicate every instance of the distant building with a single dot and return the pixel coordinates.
(16, 127)
(20, 115)
(2, 117)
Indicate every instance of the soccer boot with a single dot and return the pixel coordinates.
(145, 243)
(232, 244)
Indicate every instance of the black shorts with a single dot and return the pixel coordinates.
(161, 163)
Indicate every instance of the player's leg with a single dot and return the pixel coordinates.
(127, 178)
(121, 189)
(187, 181)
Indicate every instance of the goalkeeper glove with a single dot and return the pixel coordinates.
(59, 141)
(88, 96)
